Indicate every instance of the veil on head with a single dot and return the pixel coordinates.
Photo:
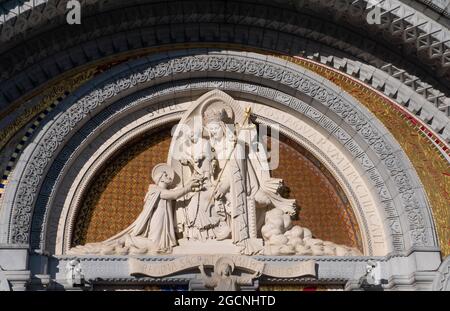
(214, 105)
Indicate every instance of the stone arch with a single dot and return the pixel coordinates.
(405, 205)
(376, 64)
(104, 148)
(400, 15)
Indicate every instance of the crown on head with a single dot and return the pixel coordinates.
(217, 112)
(214, 115)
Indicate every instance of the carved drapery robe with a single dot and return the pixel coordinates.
(152, 232)
(154, 228)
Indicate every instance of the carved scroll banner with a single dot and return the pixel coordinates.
(291, 270)
(161, 269)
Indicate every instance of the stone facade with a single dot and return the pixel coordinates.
(59, 137)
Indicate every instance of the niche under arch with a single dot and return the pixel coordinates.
(115, 195)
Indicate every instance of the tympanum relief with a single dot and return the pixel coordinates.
(215, 195)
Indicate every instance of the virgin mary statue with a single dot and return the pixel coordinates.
(239, 187)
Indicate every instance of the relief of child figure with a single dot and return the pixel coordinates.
(201, 217)
(197, 154)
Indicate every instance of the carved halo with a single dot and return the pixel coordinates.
(161, 168)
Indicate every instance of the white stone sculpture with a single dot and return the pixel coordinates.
(153, 231)
(373, 273)
(222, 278)
(4, 284)
(74, 275)
(199, 221)
(283, 238)
(215, 195)
(237, 189)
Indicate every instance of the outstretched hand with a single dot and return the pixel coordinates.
(194, 184)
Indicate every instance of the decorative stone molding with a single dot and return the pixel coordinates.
(183, 263)
(399, 270)
(402, 179)
(115, 268)
(439, 6)
(333, 157)
(399, 13)
(396, 22)
(393, 225)
(442, 280)
(326, 151)
(4, 283)
(396, 84)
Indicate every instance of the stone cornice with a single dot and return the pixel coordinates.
(18, 18)
(425, 100)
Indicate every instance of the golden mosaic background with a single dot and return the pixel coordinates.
(431, 166)
(115, 198)
(49, 96)
(324, 208)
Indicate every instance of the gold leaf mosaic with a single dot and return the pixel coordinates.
(115, 198)
(325, 209)
(431, 166)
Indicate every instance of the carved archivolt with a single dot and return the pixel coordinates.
(372, 232)
(349, 175)
(343, 50)
(403, 194)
